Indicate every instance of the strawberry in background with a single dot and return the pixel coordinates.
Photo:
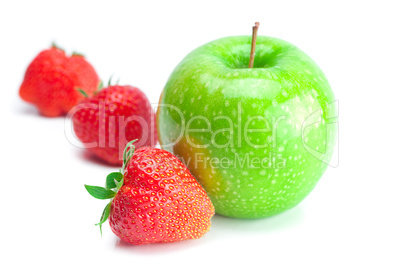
(115, 115)
(52, 81)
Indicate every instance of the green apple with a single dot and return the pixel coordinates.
(257, 139)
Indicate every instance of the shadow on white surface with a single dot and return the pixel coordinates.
(282, 222)
(222, 229)
(157, 248)
(25, 109)
(91, 158)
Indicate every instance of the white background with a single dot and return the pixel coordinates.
(351, 219)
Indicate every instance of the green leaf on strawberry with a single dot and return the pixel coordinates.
(100, 85)
(100, 192)
(54, 45)
(104, 217)
(113, 179)
(128, 154)
(83, 93)
(75, 53)
(109, 83)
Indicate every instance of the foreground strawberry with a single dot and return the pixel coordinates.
(113, 116)
(156, 200)
(52, 81)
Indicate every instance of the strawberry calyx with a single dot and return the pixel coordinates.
(77, 54)
(82, 92)
(54, 45)
(128, 154)
(109, 83)
(100, 87)
(114, 181)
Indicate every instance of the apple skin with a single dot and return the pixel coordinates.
(257, 139)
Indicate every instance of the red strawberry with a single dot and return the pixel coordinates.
(115, 115)
(157, 199)
(52, 79)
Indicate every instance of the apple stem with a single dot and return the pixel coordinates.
(253, 42)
